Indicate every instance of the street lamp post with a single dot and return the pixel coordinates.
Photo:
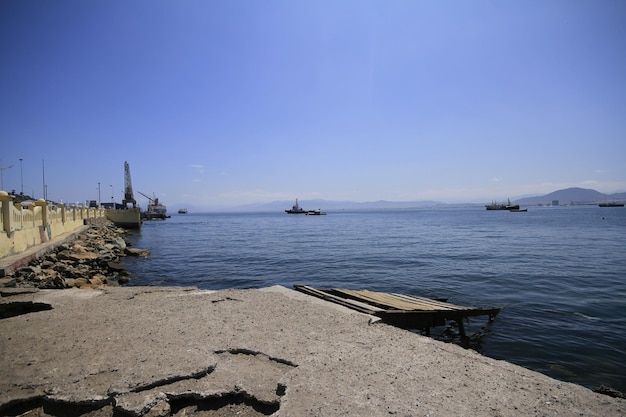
(43, 179)
(112, 196)
(21, 178)
(98, 194)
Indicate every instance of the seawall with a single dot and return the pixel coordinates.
(39, 222)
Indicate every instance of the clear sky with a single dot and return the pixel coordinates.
(219, 103)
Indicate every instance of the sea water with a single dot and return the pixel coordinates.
(558, 272)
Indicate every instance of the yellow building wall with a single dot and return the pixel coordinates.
(24, 228)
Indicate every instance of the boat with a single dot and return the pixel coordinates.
(155, 211)
(502, 206)
(182, 211)
(296, 209)
(518, 210)
(316, 212)
(495, 206)
(611, 204)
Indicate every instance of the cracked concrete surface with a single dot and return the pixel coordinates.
(181, 351)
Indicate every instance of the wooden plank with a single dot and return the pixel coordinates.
(435, 303)
(395, 301)
(380, 299)
(354, 304)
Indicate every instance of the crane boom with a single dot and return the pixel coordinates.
(149, 198)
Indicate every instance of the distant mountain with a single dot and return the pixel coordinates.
(573, 195)
(565, 196)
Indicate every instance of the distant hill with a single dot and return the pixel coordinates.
(566, 196)
(573, 195)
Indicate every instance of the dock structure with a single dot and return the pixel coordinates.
(405, 311)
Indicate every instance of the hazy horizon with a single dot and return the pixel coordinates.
(332, 204)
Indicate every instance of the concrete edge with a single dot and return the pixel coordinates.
(297, 295)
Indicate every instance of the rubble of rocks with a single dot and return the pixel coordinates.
(91, 260)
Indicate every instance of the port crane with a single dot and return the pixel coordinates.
(128, 187)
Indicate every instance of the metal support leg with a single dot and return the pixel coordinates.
(464, 338)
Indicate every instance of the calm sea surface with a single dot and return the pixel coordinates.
(558, 272)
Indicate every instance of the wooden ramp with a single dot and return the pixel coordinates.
(406, 311)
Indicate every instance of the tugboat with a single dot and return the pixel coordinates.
(296, 209)
(499, 206)
(510, 206)
(155, 210)
(495, 206)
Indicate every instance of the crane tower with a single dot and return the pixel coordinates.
(128, 187)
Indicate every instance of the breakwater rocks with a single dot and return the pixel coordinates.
(90, 260)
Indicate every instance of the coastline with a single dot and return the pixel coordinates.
(88, 258)
(272, 351)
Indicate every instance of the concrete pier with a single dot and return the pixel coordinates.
(273, 351)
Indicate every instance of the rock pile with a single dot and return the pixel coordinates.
(91, 260)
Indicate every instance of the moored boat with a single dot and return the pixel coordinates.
(296, 209)
(495, 206)
(155, 210)
(510, 206)
(316, 212)
(502, 206)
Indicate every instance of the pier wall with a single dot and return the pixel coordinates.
(22, 228)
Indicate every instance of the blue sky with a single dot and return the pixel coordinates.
(220, 103)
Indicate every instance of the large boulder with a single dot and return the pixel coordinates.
(137, 252)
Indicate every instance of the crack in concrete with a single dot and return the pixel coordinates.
(170, 380)
(242, 380)
(243, 351)
(219, 300)
(52, 407)
(242, 399)
(209, 388)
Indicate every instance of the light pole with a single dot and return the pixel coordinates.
(98, 194)
(43, 178)
(112, 196)
(21, 178)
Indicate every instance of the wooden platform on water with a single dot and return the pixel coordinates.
(405, 311)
